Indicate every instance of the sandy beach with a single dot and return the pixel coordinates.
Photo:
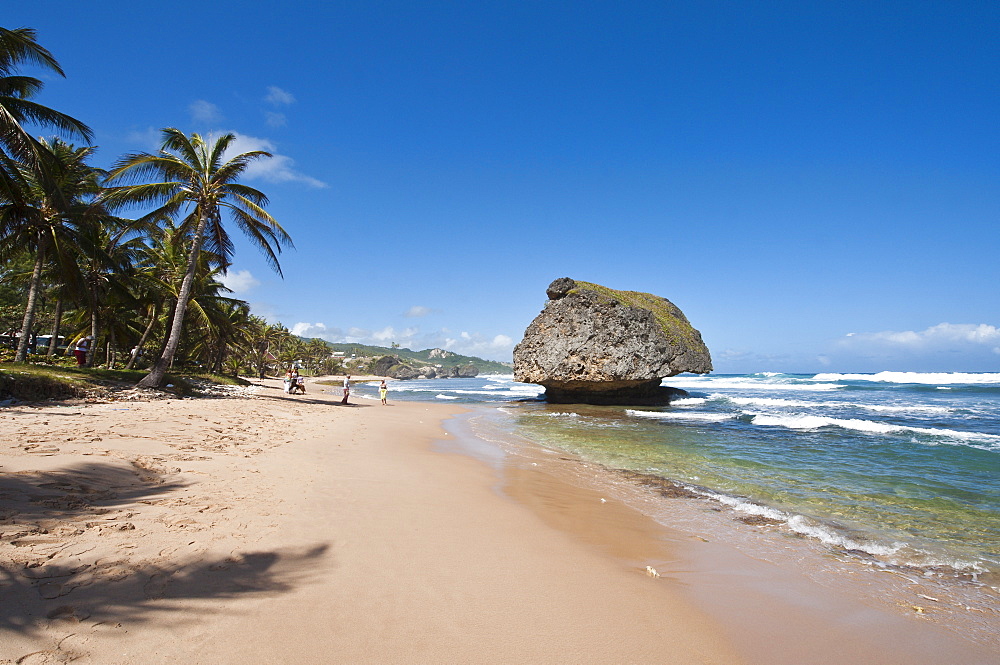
(290, 529)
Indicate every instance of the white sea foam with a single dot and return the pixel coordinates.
(905, 408)
(800, 524)
(562, 414)
(446, 397)
(745, 506)
(805, 404)
(688, 401)
(805, 421)
(807, 527)
(499, 392)
(743, 383)
(681, 415)
(926, 378)
(775, 401)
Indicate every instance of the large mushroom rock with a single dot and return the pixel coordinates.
(595, 345)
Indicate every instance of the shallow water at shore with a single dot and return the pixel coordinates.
(897, 473)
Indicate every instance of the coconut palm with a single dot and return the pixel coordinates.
(197, 178)
(226, 320)
(159, 274)
(18, 47)
(109, 250)
(265, 340)
(48, 202)
(212, 316)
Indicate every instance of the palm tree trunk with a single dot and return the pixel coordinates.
(145, 335)
(262, 360)
(56, 324)
(220, 357)
(166, 333)
(92, 352)
(29, 309)
(112, 350)
(159, 369)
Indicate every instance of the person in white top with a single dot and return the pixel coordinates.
(81, 349)
(347, 388)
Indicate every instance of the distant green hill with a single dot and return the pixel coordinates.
(435, 357)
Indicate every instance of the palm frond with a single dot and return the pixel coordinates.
(19, 46)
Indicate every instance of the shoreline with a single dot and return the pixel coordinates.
(826, 613)
(290, 529)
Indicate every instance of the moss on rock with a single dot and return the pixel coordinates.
(670, 318)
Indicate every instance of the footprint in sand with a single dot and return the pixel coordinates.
(156, 586)
(68, 613)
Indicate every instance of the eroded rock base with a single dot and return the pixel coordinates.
(643, 395)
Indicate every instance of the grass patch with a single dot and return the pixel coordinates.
(41, 381)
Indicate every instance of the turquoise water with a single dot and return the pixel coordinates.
(900, 468)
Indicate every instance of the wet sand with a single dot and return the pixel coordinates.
(769, 609)
(290, 529)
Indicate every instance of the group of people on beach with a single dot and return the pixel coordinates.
(296, 384)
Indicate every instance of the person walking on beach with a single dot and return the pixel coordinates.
(81, 349)
(383, 390)
(288, 381)
(300, 382)
(347, 388)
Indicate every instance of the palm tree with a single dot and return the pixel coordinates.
(18, 47)
(48, 201)
(108, 253)
(292, 350)
(265, 340)
(198, 178)
(317, 351)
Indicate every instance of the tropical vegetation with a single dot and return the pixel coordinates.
(133, 257)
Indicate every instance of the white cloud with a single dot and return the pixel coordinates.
(279, 97)
(239, 281)
(277, 168)
(390, 334)
(204, 112)
(475, 344)
(942, 337)
(944, 347)
(417, 311)
(319, 330)
(275, 119)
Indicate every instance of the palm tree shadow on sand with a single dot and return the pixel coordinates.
(78, 492)
(34, 599)
(40, 511)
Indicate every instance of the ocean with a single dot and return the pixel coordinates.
(894, 471)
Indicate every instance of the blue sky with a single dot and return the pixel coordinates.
(814, 184)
